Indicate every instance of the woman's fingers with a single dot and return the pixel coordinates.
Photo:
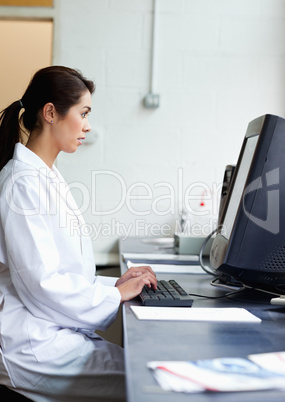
(133, 286)
(134, 272)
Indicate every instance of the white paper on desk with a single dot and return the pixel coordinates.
(230, 314)
(169, 268)
(274, 361)
(156, 257)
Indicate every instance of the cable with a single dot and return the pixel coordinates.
(219, 297)
(225, 285)
(208, 270)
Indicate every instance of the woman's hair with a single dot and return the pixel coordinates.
(59, 85)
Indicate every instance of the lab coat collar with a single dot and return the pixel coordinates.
(24, 154)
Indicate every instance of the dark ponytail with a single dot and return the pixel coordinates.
(59, 85)
(9, 131)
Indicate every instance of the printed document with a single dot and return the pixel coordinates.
(227, 374)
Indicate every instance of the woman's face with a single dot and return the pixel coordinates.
(69, 132)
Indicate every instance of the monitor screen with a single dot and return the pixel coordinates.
(250, 242)
(239, 185)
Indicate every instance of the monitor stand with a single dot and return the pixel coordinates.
(278, 300)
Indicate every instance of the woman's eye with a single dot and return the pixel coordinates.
(85, 114)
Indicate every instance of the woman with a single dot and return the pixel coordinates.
(51, 302)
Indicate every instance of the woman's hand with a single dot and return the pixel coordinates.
(131, 283)
(134, 272)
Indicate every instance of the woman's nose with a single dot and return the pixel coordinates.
(87, 127)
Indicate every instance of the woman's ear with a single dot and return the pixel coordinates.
(49, 112)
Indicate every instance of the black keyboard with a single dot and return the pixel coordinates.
(167, 294)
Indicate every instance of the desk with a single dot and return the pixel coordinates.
(145, 341)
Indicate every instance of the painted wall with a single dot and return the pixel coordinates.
(27, 3)
(18, 62)
(219, 64)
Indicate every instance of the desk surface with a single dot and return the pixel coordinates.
(145, 341)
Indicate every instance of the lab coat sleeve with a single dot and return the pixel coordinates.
(107, 280)
(68, 299)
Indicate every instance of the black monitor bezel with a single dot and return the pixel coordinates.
(224, 255)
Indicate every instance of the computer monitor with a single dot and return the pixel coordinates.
(249, 246)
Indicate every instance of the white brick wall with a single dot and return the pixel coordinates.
(219, 64)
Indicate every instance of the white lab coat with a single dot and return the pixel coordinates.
(51, 302)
